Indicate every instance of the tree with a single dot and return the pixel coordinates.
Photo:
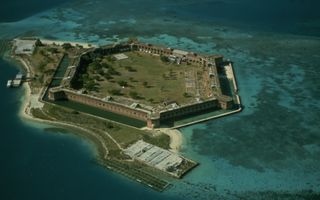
(109, 125)
(112, 71)
(100, 71)
(110, 58)
(134, 95)
(53, 50)
(130, 69)
(85, 77)
(38, 43)
(123, 83)
(94, 66)
(186, 95)
(164, 59)
(115, 92)
(145, 84)
(105, 65)
(74, 112)
(90, 85)
(107, 76)
(66, 46)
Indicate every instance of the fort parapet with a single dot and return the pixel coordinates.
(152, 117)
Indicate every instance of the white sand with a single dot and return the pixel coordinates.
(33, 101)
(30, 101)
(175, 138)
(61, 42)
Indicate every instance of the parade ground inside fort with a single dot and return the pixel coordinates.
(148, 79)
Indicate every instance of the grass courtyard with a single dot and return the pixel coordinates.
(144, 77)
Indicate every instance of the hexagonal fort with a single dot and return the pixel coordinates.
(145, 82)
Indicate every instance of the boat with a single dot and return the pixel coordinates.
(9, 83)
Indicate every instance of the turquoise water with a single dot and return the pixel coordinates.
(270, 150)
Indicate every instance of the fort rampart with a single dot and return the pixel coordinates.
(152, 119)
(66, 94)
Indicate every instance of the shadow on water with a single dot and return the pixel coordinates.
(201, 115)
(225, 86)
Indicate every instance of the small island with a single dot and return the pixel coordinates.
(128, 99)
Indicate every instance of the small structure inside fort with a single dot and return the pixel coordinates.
(145, 82)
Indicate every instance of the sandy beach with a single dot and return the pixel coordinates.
(32, 100)
(175, 138)
(61, 42)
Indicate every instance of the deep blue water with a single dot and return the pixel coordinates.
(280, 16)
(39, 164)
(15, 10)
(271, 148)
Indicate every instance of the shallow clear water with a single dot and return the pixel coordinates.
(273, 146)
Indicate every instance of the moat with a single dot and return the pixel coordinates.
(149, 83)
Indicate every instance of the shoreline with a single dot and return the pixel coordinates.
(25, 114)
(61, 42)
(30, 101)
(176, 138)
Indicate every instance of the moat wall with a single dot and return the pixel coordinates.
(59, 93)
(65, 94)
(186, 110)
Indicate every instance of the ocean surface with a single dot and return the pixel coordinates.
(270, 150)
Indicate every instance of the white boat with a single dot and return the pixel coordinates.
(9, 83)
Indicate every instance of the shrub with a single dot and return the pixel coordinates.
(123, 83)
(66, 46)
(134, 95)
(164, 59)
(115, 92)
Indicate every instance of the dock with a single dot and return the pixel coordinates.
(16, 82)
(9, 83)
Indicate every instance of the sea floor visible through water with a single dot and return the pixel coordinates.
(270, 150)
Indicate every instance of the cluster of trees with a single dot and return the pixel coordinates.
(134, 95)
(96, 67)
(130, 69)
(38, 43)
(186, 95)
(89, 83)
(53, 50)
(103, 69)
(67, 46)
(116, 92)
(123, 83)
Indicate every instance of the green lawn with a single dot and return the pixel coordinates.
(143, 77)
